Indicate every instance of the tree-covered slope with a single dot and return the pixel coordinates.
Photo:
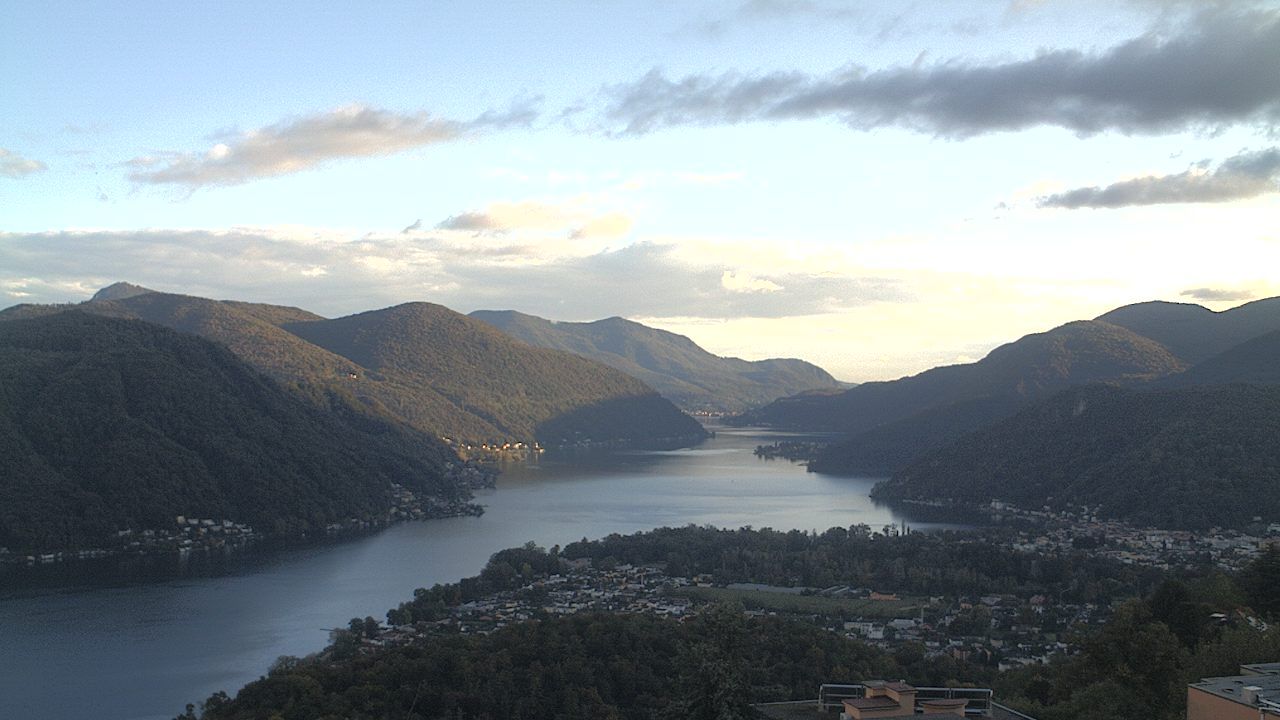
(1256, 362)
(109, 424)
(525, 392)
(1195, 333)
(438, 372)
(672, 364)
(255, 333)
(1034, 366)
(888, 448)
(1191, 458)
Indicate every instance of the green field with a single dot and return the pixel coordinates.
(807, 604)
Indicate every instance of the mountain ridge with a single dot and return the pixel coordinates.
(673, 364)
(424, 393)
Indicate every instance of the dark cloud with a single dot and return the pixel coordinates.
(337, 276)
(1221, 69)
(307, 142)
(415, 225)
(1246, 175)
(1218, 294)
(13, 165)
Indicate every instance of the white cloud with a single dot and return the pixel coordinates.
(743, 283)
(13, 165)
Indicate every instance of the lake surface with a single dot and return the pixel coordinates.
(145, 650)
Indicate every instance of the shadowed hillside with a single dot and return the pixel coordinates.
(523, 391)
(424, 365)
(1195, 333)
(1190, 458)
(1255, 362)
(109, 424)
(1034, 366)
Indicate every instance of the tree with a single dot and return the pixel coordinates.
(1261, 581)
(713, 673)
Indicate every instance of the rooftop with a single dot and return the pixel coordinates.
(1265, 677)
(807, 710)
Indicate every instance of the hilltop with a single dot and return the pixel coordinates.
(422, 365)
(1195, 333)
(111, 425)
(552, 396)
(672, 364)
(1156, 344)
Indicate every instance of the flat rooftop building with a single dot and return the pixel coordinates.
(1254, 694)
(892, 700)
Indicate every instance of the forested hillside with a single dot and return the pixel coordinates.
(1195, 333)
(1188, 458)
(889, 424)
(419, 364)
(111, 424)
(525, 392)
(1032, 367)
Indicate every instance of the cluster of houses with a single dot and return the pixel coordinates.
(496, 451)
(1155, 547)
(185, 535)
(580, 588)
(1011, 631)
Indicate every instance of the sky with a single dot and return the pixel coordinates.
(876, 187)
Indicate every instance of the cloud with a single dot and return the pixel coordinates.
(1218, 294)
(610, 225)
(310, 141)
(1246, 175)
(1222, 69)
(338, 275)
(572, 217)
(415, 225)
(476, 221)
(736, 282)
(13, 165)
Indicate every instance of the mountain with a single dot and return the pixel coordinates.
(885, 449)
(672, 364)
(1034, 366)
(1189, 458)
(525, 392)
(424, 365)
(892, 423)
(111, 424)
(1255, 362)
(119, 291)
(1195, 333)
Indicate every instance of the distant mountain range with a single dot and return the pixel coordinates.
(906, 416)
(672, 364)
(111, 424)
(423, 365)
(1171, 438)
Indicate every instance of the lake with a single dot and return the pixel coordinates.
(143, 650)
